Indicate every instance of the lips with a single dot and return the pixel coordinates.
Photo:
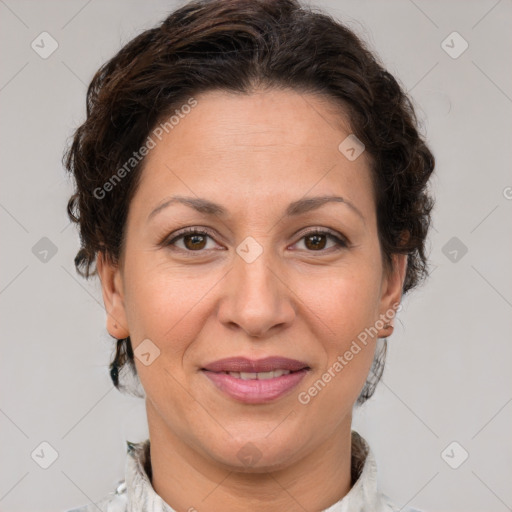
(256, 381)
(251, 366)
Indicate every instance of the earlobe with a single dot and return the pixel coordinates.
(113, 296)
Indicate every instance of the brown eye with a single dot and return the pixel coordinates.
(316, 241)
(194, 240)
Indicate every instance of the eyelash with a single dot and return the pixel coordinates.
(340, 241)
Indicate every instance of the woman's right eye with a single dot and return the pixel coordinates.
(194, 240)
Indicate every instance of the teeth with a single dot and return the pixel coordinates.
(278, 373)
(258, 376)
(266, 375)
(248, 376)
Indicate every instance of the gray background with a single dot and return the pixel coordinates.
(448, 375)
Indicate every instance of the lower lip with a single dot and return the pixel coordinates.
(256, 391)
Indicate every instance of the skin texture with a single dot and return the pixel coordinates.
(253, 154)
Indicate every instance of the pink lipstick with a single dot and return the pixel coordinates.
(256, 381)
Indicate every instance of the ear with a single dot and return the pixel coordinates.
(391, 293)
(113, 296)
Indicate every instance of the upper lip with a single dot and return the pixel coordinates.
(243, 364)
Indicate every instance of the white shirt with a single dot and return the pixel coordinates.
(136, 494)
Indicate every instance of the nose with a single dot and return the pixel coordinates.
(256, 297)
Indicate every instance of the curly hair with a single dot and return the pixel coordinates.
(237, 45)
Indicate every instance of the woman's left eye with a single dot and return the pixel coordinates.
(317, 240)
(195, 240)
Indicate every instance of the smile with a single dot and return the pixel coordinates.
(256, 388)
(259, 375)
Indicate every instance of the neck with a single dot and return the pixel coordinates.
(187, 479)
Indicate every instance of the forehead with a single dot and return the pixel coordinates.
(252, 150)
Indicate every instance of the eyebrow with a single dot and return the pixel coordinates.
(296, 208)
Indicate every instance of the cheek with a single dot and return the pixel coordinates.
(344, 300)
(162, 307)
(154, 294)
(346, 309)
(163, 304)
(345, 305)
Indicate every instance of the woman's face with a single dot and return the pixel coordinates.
(257, 285)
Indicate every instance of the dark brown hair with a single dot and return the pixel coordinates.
(237, 45)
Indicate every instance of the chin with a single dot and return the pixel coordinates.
(255, 455)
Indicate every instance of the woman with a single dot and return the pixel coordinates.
(251, 184)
